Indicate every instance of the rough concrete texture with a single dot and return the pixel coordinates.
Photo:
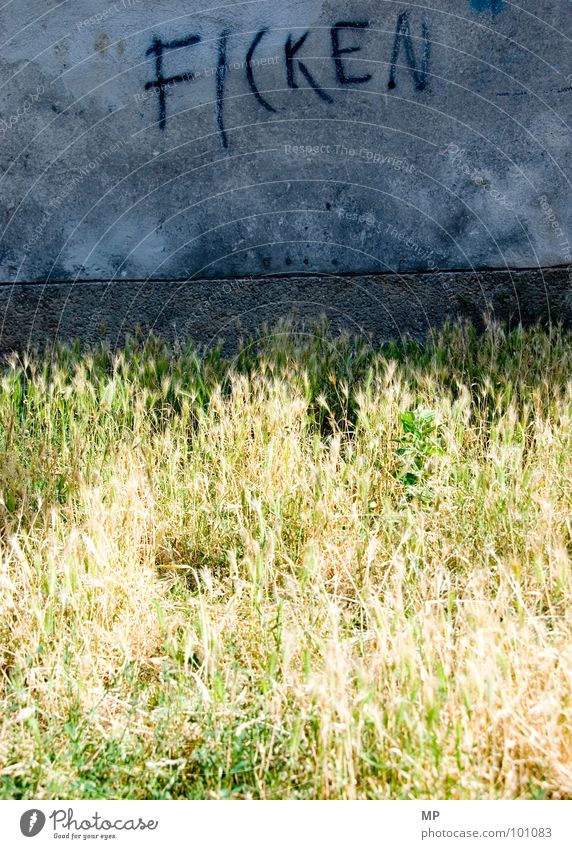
(379, 307)
(179, 140)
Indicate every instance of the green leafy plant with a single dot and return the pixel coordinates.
(422, 438)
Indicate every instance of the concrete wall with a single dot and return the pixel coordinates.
(183, 141)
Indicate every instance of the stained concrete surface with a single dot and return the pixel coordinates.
(177, 140)
(381, 308)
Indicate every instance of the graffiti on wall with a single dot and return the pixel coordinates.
(411, 53)
(494, 6)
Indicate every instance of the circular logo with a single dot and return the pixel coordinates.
(32, 822)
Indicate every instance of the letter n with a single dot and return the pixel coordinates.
(403, 37)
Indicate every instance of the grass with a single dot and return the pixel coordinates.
(316, 570)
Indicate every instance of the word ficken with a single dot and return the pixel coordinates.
(344, 40)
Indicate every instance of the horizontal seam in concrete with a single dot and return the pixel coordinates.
(308, 275)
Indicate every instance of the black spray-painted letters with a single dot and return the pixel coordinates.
(345, 41)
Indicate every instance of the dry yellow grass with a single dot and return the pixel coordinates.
(316, 571)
